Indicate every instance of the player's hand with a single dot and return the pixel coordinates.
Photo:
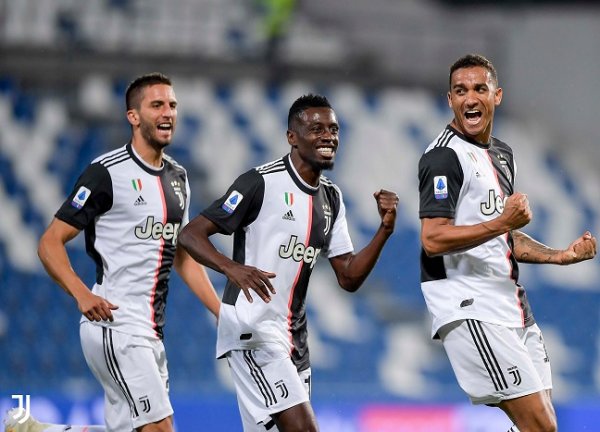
(250, 278)
(584, 248)
(386, 205)
(516, 213)
(96, 308)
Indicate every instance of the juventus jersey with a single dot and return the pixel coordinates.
(466, 181)
(131, 213)
(281, 225)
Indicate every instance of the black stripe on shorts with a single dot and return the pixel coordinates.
(487, 354)
(114, 370)
(260, 379)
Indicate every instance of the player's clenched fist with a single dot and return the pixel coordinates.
(387, 202)
(584, 248)
(517, 212)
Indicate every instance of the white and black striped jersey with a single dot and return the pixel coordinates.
(281, 225)
(131, 213)
(466, 181)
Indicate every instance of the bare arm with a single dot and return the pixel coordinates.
(440, 236)
(196, 278)
(528, 250)
(194, 238)
(351, 270)
(53, 255)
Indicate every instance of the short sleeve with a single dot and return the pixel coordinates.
(91, 197)
(240, 205)
(340, 242)
(440, 180)
(186, 214)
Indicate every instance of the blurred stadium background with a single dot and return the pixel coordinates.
(237, 65)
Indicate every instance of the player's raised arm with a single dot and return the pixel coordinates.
(351, 269)
(528, 250)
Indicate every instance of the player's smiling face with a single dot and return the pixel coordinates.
(473, 97)
(315, 138)
(157, 115)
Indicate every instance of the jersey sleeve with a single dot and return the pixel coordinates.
(440, 180)
(340, 242)
(240, 205)
(514, 168)
(186, 213)
(91, 197)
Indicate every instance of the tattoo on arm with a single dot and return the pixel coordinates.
(529, 250)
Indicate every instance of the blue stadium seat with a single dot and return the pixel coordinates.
(42, 343)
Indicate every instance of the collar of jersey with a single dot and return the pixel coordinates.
(470, 140)
(143, 165)
(302, 185)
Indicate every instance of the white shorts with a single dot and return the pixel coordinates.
(132, 371)
(266, 382)
(493, 363)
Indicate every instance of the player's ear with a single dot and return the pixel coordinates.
(291, 137)
(133, 117)
(449, 95)
(498, 96)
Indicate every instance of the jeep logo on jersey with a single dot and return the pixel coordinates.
(157, 230)
(495, 203)
(177, 189)
(299, 252)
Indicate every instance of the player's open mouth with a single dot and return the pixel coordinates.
(327, 152)
(165, 126)
(473, 116)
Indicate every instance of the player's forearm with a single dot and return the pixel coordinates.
(196, 278)
(448, 238)
(202, 288)
(528, 250)
(207, 295)
(58, 266)
(360, 265)
(201, 249)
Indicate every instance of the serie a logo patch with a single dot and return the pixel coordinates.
(440, 187)
(232, 201)
(81, 197)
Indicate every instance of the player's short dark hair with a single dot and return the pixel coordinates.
(473, 60)
(133, 95)
(303, 102)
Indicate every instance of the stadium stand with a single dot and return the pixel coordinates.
(375, 343)
(64, 66)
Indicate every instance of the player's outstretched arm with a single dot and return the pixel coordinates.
(195, 276)
(350, 269)
(53, 255)
(194, 238)
(528, 250)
